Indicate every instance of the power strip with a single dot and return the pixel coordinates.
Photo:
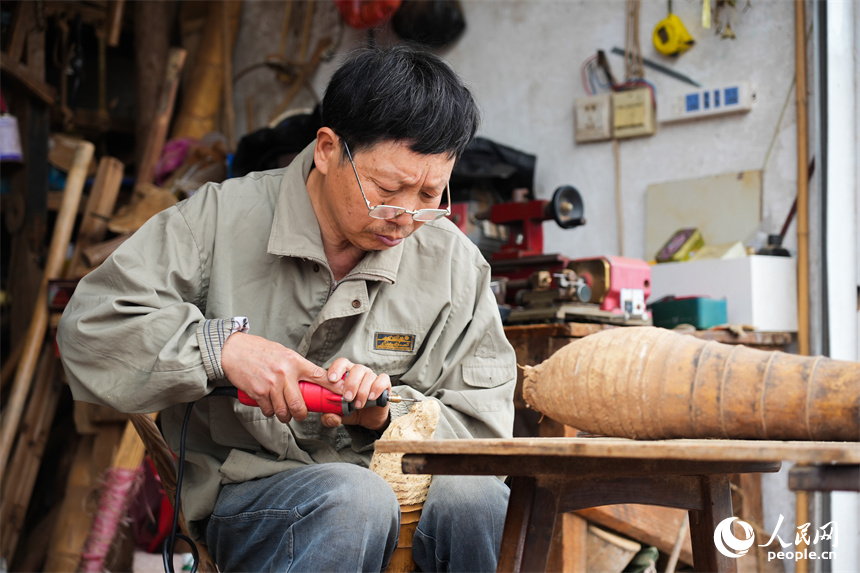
(738, 97)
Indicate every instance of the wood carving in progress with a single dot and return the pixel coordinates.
(652, 383)
(418, 424)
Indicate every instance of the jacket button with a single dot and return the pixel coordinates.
(356, 303)
(316, 268)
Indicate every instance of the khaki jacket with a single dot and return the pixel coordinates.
(143, 332)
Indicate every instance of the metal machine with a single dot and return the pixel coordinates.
(599, 289)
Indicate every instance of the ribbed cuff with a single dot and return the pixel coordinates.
(211, 336)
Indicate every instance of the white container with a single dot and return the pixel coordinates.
(760, 291)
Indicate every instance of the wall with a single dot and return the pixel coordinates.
(522, 60)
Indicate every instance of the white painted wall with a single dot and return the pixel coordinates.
(522, 59)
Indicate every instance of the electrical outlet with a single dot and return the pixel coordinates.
(591, 118)
(633, 113)
(737, 97)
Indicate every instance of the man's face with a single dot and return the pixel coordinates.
(390, 174)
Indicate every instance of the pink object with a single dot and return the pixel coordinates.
(172, 156)
(626, 282)
(120, 486)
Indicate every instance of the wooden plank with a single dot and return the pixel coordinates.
(163, 114)
(38, 87)
(574, 543)
(99, 208)
(652, 525)
(116, 9)
(534, 464)
(25, 462)
(694, 450)
(35, 335)
(824, 478)
(20, 29)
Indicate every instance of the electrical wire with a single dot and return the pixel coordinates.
(584, 75)
(170, 542)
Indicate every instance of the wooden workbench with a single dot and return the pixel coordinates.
(656, 526)
(556, 475)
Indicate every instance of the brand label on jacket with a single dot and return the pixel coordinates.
(396, 342)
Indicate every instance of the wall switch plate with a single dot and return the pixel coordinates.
(737, 97)
(633, 113)
(592, 118)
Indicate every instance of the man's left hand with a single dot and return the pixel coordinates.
(360, 385)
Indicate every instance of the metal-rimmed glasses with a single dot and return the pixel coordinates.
(387, 212)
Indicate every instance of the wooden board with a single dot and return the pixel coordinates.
(725, 208)
(664, 450)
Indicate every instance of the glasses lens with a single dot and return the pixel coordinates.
(429, 214)
(386, 212)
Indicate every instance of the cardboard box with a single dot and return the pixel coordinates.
(759, 290)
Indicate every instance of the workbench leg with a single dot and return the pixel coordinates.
(716, 496)
(529, 526)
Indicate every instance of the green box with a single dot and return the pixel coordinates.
(701, 312)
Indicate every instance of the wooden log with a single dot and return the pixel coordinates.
(24, 465)
(35, 335)
(651, 383)
(201, 104)
(99, 208)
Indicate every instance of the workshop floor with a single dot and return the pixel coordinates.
(152, 563)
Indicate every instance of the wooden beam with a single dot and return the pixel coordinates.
(39, 88)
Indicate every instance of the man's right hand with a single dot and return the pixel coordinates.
(269, 373)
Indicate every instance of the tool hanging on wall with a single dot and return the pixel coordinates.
(670, 36)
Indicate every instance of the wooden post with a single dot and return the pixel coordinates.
(802, 181)
(38, 325)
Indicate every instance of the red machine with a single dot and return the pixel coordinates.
(525, 221)
(618, 284)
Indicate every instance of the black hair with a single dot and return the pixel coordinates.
(400, 93)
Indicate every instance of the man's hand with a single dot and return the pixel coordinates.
(269, 373)
(361, 384)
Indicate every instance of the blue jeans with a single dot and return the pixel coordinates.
(342, 517)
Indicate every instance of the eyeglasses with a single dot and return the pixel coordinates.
(390, 211)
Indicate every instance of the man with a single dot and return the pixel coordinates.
(323, 261)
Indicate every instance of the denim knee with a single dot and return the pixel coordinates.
(461, 524)
(327, 517)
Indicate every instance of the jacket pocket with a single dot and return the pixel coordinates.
(479, 374)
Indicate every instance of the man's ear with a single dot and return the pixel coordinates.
(327, 149)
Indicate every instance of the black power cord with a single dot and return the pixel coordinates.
(167, 550)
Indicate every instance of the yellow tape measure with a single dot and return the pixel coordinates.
(670, 36)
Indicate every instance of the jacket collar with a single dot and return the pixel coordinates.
(296, 233)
